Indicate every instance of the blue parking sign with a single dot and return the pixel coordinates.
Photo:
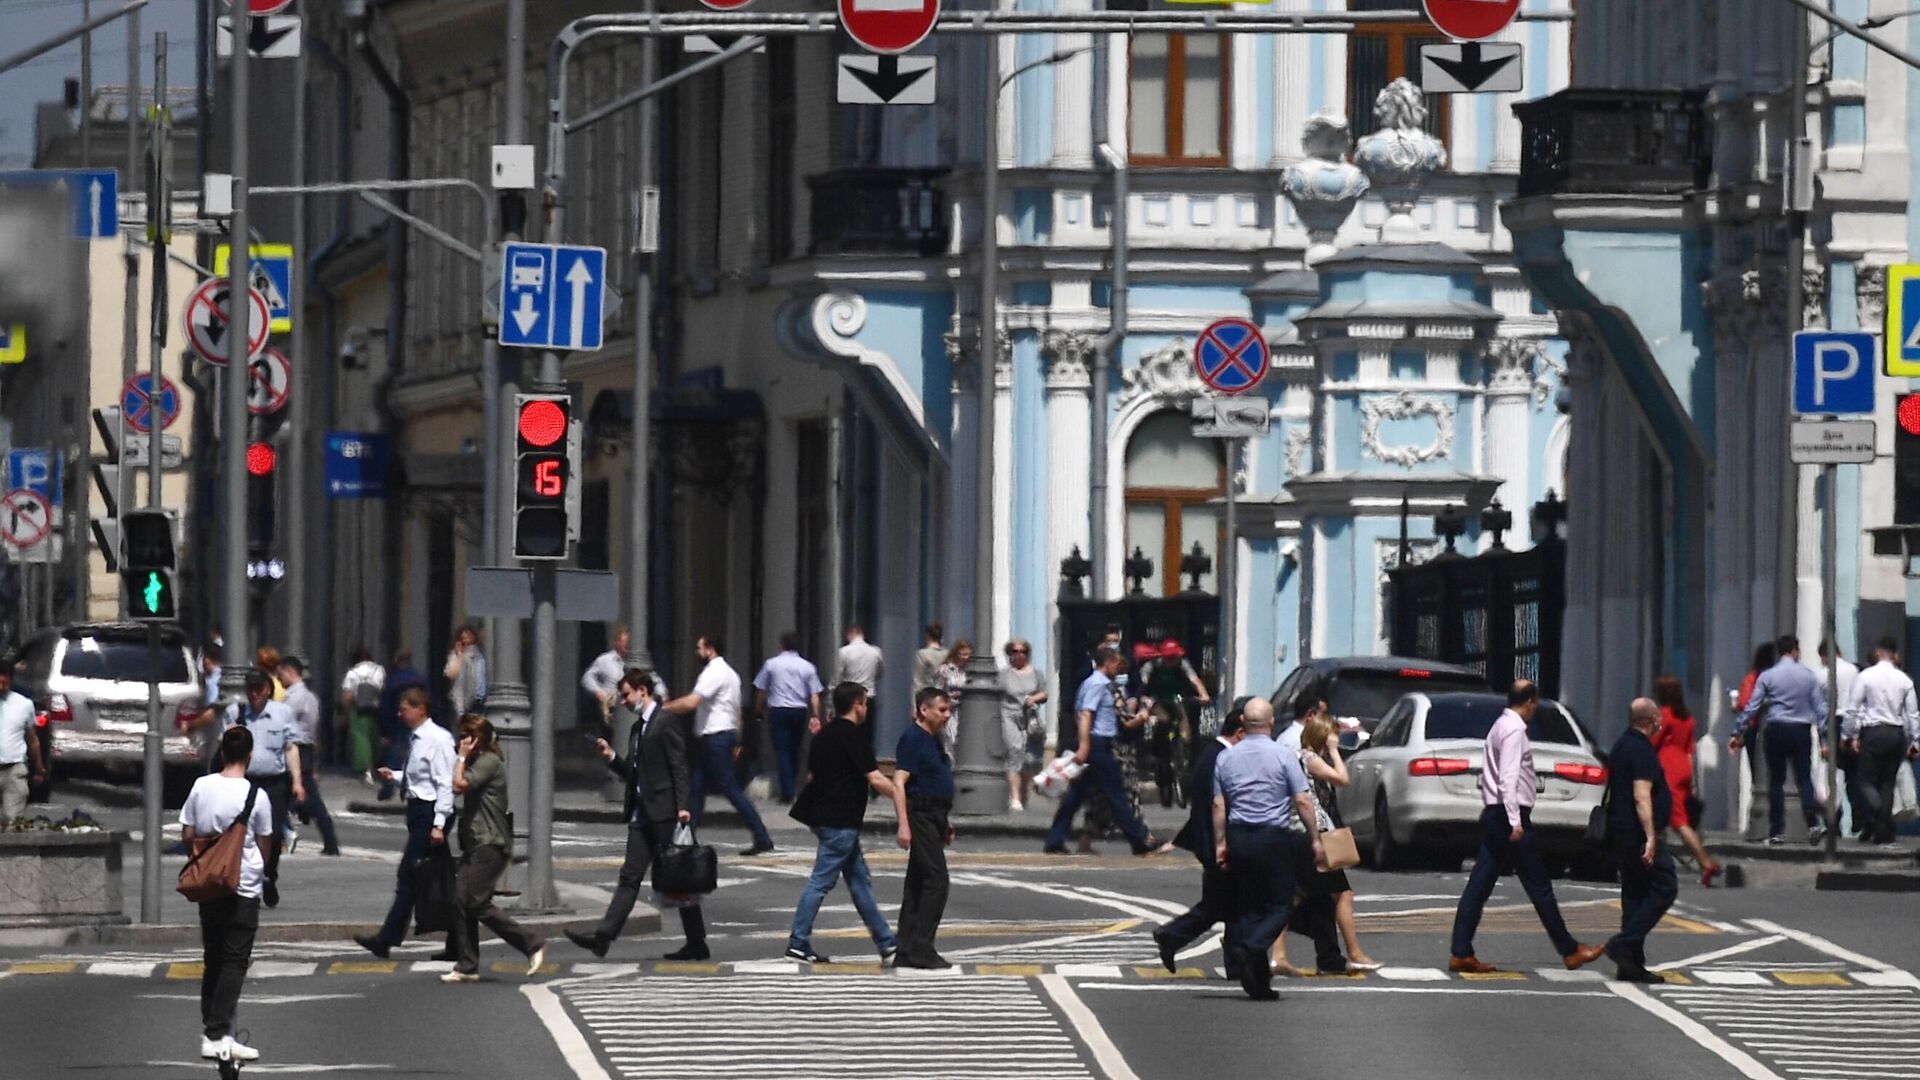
(37, 469)
(1833, 372)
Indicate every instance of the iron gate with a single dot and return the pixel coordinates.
(1499, 612)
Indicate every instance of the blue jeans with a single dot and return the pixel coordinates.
(1103, 769)
(716, 763)
(839, 857)
(1498, 854)
(1788, 746)
(789, 729)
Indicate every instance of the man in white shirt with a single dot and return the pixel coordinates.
(360, 693)
(926, 662)
(1848, 760)
(228, 924)
(305, 707)
(19, 749)
(1882, 727)
(275, 765)
(862, 663)
(715, 701)
(427, 783)
(602, 677)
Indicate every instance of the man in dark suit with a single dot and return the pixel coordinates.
(1216, 888)
(657, 773)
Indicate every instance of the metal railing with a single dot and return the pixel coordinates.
(1615, 141)
(878, 211)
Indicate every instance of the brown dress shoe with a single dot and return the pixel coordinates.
(1583, 955)
(1468, 965)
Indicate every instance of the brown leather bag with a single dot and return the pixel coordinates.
(213, 870)
(1339, 850)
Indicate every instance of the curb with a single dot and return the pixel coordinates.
(1852, 880)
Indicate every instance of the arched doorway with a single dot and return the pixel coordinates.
(1174, 484)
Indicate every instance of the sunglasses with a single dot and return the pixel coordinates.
(1019, 652)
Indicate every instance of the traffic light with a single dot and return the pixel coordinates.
(106, 481)
(544, 507)
(1906, 461)
(149, 559)
(263, 462)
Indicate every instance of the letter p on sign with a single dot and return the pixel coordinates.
(1833, 372)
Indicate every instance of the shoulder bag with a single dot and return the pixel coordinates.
(1598, 824)
(686, 866)
(213, 870)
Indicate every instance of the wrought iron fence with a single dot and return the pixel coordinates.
(1603, 141)
(878, 211)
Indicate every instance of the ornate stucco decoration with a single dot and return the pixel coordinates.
(1298, 440)
(1067, 354)
(962, 333)
(1405, 406)
(1870, 294)
(1510, 364)
(1400, 156)
(1813, 297)
(1323, 188)
(1166, 373)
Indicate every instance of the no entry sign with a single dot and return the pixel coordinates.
(262, 7)
(888, 26)
(1471, 20)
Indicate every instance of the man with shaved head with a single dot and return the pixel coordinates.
(1639, 805)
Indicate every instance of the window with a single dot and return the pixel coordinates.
(1178, 99)
(1378, 53)
(1174, 484)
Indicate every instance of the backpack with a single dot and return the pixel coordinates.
(213, 871)
(366, 694)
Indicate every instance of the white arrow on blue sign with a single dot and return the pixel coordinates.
(552, 296)
(95, 195)
(1833, 372)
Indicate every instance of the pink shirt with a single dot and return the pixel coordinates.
(1506, 775)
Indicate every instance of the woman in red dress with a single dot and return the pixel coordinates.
(1674, 742)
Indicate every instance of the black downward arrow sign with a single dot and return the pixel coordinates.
(260, 38)
(1471, 71)
(887, 83)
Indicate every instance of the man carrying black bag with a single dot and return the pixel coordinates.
(656, 770)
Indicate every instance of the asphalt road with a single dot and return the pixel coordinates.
(1058, 978)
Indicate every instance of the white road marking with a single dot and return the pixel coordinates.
(1562, 975)
(1721, 954)
(123, 969)
(1698, 1032)
(1820, 944)
(1087, 1026)
(262, 999)
(1732, 978)
(545, 999)
(275, 1069)
(1413, 974)
(1290, 986)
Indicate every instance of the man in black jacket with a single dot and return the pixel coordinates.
(656, 770)
(1216, 888)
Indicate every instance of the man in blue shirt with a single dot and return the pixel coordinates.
(275, 765)
(1639, 805)
(1259, 791)
(788, 691)
(1095, 705)
(1795, 703)
(922, 769)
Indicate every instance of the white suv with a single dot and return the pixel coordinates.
(90, 680)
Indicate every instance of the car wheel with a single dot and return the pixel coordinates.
(1386, 853)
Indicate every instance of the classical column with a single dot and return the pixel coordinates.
(1073, 96)
(1507, 450)
(1292, 61)
(1580, 636)
(1069, 413)
(1002, 494)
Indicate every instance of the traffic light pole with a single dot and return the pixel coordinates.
(159, 222)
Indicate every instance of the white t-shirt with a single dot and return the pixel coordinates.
(213, 804)
(16, 721)
(719, 690)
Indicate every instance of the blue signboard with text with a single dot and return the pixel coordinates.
(357, 464)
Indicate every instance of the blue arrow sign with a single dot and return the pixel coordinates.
(37, 470)
(1833, 372)
(552, 296)
(95, 195)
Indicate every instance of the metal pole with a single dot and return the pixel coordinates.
(539, 893)
(64, 36)
(236, 649)
(1846, 27)
(978, 786)
(159, 218)
(1116, 336)
(86, 87)
(1829, 578)
(1229, 578)
(130, 322)
(299, 422)
(640, 492)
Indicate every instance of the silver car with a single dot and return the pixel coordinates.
(1415, 791)
(90, 680)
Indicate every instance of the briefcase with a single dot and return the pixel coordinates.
(686, 866)
(434, 904)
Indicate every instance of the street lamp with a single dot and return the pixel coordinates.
(978, 786)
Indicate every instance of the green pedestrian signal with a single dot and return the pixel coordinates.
(150, 594)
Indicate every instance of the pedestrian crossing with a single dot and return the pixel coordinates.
(1103, 948)
(1858, 1026)
(781, 1026)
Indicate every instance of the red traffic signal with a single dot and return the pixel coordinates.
(1908, 413)
(543, 503)
(542, 422)
(261, 459)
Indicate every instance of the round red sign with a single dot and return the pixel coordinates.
(888, 26)
(726, 5)
(263, 7)
(1471, 20)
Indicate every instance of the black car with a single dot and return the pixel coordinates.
(1359, 690)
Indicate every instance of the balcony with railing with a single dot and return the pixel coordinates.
(878, 212)
(1598, 142)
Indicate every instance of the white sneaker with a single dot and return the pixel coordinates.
(538, 958)
(293, 838)
(1015, 806)
(240, 1051)
(212, 1048)
(460, 977)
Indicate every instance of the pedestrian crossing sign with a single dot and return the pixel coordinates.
(271, 268)
(13, 343)
(1903, 321)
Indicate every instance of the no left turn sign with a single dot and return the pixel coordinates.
(25, 518)
(206, 322)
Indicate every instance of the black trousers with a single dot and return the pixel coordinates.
(419, 840)
(1313, 914)
(315, 808)
(279, 792)
(923, 901)
(1216, 906)
(1263, 859)
(480, 871)
(1883, 753)
(227, 929)
(644, 841)
(1646, 892)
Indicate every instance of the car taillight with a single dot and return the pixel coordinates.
(40, 719)
(1580, 774)
(1438, 766)
(1415, 673)
(59, 710)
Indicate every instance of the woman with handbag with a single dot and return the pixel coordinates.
(486, 847)
(1320, 759)
(1023, 689)
(1674, 740)
(228, 893)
